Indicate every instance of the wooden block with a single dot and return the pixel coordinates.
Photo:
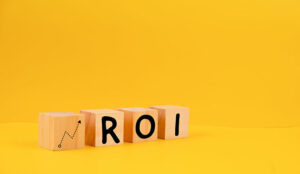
(104, 127)
(61, 130)
(173, 121)
(140, 124)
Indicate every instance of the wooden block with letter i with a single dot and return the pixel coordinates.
(140, 124)
(104, 127)
(61, 130)
(173, 121)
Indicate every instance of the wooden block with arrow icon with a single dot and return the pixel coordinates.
(61, 130)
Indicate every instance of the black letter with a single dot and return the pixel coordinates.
(137, 126)
(177, 124)
(110, 130)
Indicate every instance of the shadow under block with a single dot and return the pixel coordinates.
(61, 130)
(173, 121)
(104, 127)
(140, 124)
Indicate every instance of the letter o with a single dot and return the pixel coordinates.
(138, 123)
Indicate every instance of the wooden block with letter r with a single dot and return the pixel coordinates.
(173, 121)
(104, 127)
(140, 124)
(61, 130)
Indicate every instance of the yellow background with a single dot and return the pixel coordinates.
(208, 150)
(235, 63)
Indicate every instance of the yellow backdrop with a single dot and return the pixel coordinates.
(234, 63)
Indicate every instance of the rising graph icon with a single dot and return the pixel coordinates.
(67, 133)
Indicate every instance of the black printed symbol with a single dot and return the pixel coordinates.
(67, 133)
(138, 124)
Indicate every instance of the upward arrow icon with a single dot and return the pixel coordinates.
(67, 133)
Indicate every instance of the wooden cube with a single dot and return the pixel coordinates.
(140, 124)
(104, 127)
(173, 121)
(61, 130)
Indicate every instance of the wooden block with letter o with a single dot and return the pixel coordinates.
(104, 127)
(173, 121)
(61, 130)
(140, 124)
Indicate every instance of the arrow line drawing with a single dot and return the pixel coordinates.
(67, 133)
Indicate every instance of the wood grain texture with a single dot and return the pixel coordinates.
(131, 115)
(167, 121)
(94, 126)
(61, 130)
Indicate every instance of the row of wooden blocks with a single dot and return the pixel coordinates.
(101, 127)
